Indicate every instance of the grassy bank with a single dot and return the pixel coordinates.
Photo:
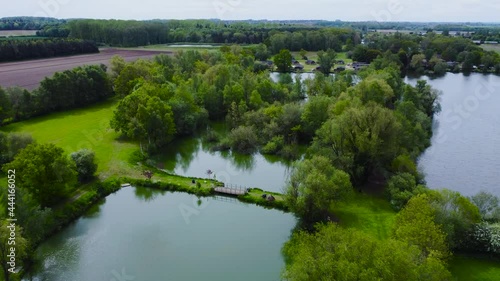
(84, 128)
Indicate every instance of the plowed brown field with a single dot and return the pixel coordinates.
(29, 74)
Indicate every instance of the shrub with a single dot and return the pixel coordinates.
(274, 145)
(211, 136)
(243, 140)
(401, 188)
(85, 164)
(484, 238)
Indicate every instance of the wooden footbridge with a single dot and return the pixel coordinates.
(231, 189)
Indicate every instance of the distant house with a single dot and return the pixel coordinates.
(340, 62)
(451, 63)
(477, 42)
(310, 62)
(294, 62)
(339, 68)
(491, 42)
(298, 67)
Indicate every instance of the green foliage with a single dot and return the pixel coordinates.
(243, 140)
(401, 188)
(334, 253)
(488, 205)
(273, 146)
(86, 165)
(315, 113)
(11, 144)
(455, 213)
(360, 140)
(484, 238)
(21, 247)
(416, 225)
(145, 117)
(14, 50)
(314, 185)
(46, 172)
(283, 61)
(326, 60)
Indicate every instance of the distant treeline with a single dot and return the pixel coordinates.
(137, 33)
(14, 50)
(27, 23)
(70, 89)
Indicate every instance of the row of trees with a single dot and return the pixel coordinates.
(27, 23)
(276, 37)
(13, 50)
(74, 88)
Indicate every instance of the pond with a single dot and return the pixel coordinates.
(192, 157)
(144, 234)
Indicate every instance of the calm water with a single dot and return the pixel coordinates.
(192, 157)
(465, 151)
(142, 234)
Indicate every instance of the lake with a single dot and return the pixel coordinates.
(465, 151)
(143, 234)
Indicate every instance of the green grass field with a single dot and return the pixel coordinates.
(367, 213)
(314, 56)
(467, 268)
(83, 128)
(490, 47)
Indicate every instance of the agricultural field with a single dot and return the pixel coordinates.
(29, 74)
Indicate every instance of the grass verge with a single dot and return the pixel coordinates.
(472, 268)
(367, 213)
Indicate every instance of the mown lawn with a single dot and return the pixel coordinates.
(367, 213)
(468, 268)
(83, 128)
(491, 47)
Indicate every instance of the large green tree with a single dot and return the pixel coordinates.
(416, 225)
(45, 171)
(326, 60)
(314, 186)
(283, 61)
(146, 118)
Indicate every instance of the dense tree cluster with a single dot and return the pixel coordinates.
(27, 23)
(69, 89)
(430, 53)
(13, 50)
(334, 253)
(275, 36)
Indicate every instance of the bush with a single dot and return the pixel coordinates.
(243, 140)
(223, 145)
(85, 164)
(273, 146)
(484, 238)
(401, 188)
(211, 136)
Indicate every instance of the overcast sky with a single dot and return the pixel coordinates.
(347, 10)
